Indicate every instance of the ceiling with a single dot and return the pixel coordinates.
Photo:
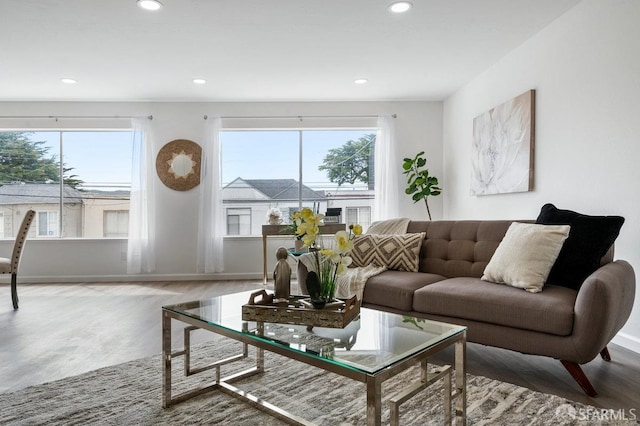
(257, 50)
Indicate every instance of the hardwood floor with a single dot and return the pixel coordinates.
(67, 329)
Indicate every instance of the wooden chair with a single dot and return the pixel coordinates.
(10, 266)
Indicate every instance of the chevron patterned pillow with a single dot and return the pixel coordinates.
(399, 251)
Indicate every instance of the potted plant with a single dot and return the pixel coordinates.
(421, 184)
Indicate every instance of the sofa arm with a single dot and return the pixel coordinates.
(602, 307)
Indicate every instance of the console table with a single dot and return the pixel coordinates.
(327, 228)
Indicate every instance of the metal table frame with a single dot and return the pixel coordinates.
(373, 381)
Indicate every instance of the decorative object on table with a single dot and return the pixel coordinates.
(292, 228)
(298, 245)
(329, 263)
(263, 308)
(274, 216)
(178, 164)
(282, 275)
(421, 184)
(502, 151)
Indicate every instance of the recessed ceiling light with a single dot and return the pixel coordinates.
(361, 81)
(68, 80)
(199, 80)
(149, 4)
(400, 6)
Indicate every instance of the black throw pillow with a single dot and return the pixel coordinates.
(589, 240)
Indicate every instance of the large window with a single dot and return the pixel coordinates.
(70, 178)
(326, 170)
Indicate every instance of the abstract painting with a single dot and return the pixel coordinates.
(503, 142)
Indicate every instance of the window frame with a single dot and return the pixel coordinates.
(354, 125)
(78, 226)
(104, 223)
(47, 223)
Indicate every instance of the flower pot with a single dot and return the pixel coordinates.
(318, 303)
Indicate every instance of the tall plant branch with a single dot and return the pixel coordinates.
(421, 184)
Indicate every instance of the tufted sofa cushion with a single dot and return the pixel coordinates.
(395, 289)
(459, 248)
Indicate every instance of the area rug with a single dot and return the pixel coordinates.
(130, 394)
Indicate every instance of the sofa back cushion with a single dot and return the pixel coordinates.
(459, 248)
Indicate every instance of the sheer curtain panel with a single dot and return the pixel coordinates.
(211, 220)
(141, 249)
(387, 170)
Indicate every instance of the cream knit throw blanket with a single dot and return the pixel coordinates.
(390, 226)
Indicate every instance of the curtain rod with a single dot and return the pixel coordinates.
(56, 117)
(299, 117)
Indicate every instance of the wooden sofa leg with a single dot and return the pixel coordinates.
(14, 291)
(576, 372)
(605, 354)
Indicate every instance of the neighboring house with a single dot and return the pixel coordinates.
(87, 214)
(106, 214)
(44, 198)
(247, 201)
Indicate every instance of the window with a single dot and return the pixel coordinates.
(116, 223)
(78, 175)
(238, 221)
(359, 215)
(319, 169)
(48, 224)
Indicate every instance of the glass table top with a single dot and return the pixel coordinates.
(373, 341)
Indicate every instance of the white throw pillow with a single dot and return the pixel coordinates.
(526, 254)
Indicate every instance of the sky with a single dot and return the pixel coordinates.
(244, 154)
(105, 157)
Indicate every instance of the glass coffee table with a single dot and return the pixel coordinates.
(372, 348)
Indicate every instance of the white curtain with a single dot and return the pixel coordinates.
(141, 256)
(211, 220)
(387, 169)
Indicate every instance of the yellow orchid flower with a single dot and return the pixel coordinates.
(343, 242)
(306, 214)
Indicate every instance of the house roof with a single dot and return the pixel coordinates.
(279, 189)
(37, 193)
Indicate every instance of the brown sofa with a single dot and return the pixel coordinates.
(562, 323)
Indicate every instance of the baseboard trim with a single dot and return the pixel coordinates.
(627, 341)
(138, 278)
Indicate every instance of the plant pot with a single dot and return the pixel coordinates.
(318, 303)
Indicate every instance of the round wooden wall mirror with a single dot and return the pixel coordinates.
(178, 164)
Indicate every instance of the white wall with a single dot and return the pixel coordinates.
(419, 127)
(585, 68)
